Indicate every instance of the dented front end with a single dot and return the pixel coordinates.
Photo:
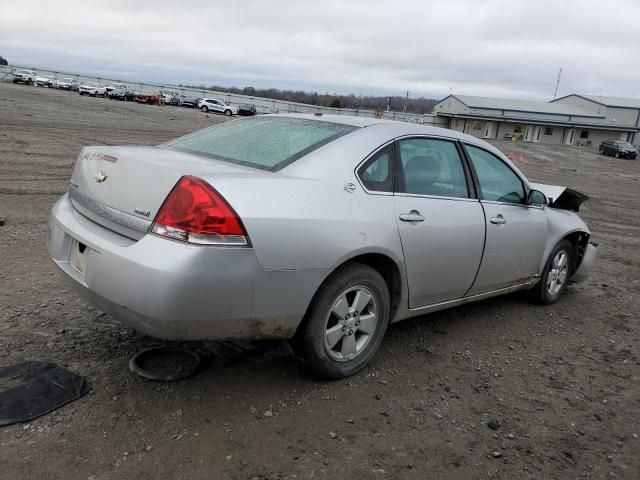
(560, 197)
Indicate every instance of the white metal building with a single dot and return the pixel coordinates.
(583, 120)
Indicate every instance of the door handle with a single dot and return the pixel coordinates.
(413, 216)
(499, 220)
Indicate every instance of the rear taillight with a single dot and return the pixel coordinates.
(195, 212)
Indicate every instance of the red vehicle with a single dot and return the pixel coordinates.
(150, 98)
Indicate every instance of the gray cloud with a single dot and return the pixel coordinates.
(499, 48)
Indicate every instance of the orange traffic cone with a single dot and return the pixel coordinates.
(510, 157)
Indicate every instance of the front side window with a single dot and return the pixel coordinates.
(377, 173)
(431, 167)
(497, 181)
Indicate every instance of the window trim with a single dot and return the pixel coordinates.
(472, 189)
(369, 159)
(476, 180)
(398, 177)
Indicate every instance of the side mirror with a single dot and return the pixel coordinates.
(536, 197)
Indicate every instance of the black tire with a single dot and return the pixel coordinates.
(601, 151)
(540, 292)
(309, 341)
(204, 108)
(617, 154)
(228, 113)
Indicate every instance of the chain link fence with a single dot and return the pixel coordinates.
(263, 105)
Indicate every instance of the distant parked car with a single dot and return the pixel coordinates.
(215, 105)
(93, 89)
(24, 76)
(66, 84)
(145, 97)
(618, 149)
(124, 94)
(247, 109)
(43, 82)
(171, 97)
(116, 86)
(189, 101)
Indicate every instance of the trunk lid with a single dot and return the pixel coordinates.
(122, 188)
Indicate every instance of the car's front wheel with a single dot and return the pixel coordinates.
(228, 112)
(556, 274)
(617, 154)
(345, 323)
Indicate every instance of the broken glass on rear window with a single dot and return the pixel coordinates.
(268, 143)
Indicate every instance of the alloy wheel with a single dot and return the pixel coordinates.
(557, 276)
(350, 324)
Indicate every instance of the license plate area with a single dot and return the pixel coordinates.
(78, 256)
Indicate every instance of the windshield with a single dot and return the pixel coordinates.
(625, 145)
(268, 143)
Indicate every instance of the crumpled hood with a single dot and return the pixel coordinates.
(561, 197)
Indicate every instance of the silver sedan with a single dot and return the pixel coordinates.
(317, 229)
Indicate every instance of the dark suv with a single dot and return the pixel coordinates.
(618, 149)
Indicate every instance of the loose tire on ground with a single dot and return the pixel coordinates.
(337, 312)
(556, 274)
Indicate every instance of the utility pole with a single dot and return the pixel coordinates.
(555, 94)
(406, 99)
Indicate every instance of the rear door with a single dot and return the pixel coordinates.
(441, 223)
(516, 232)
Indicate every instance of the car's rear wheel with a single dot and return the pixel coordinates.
(204, 108)
(617, 154)
(556, 274)
(345, 323)
(601, 151)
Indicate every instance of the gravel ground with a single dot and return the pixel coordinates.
(559, 384)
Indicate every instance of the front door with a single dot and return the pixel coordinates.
(441, 227)
(527, 133)
(537, 131)
(488, 129)
(568, 138)
(516, 232)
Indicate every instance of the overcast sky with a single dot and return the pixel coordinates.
(496, 48)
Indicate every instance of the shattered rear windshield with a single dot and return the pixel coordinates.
(267, 143)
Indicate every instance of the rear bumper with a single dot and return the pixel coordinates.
(176, 291)
(587, 263)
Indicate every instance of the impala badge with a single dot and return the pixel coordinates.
(100, 177)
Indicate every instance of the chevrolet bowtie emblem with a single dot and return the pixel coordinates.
(100, 177)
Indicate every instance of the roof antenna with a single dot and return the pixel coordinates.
(555, 94)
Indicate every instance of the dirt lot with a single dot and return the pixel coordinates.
(563, 381)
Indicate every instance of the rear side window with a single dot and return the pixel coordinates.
(268, 143)
(377, 173)
(497, 181)
(432, 167)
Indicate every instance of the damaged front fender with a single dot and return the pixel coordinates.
(560, 197)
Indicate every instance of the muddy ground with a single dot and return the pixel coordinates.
(563, 381)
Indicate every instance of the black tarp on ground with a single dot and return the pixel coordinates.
(36, 388)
